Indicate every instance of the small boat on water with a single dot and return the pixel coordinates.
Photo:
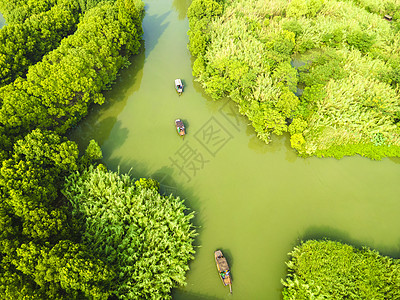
(180, 127)
(179, 86)
(223, 269)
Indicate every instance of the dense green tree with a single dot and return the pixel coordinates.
(64, 268)
(15, 285)
(37, 35)
(41, 254)
(17, 11)
(332, 270)
(342, 54)
(36, 251)
(58, 90)
(146, 236)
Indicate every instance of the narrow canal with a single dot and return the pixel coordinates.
(254, 201)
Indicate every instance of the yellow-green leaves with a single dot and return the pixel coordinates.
(332, 270)
(146, 236)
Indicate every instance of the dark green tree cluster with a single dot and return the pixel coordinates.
(145, 236)
(42, 255)
(17, 11)
(331, 66)
(238, 58)
(332, 270)
(24, 44)
(58, 90)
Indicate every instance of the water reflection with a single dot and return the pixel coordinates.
(181, 6)
(102, 119)
(2, 21)
(334, 234)
(153, 27)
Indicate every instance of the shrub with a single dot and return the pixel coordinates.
(332, 270)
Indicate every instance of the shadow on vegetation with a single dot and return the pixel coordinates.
(329, 233)
(396, 160)
(168, 185)
(153, 27)
(181, 6)
(93, 126)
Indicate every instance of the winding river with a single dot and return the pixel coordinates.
(254, 201)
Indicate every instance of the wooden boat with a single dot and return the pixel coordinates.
(223, 269)
(179, 86)
(180, 127)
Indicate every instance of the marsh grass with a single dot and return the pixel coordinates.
(351, 54)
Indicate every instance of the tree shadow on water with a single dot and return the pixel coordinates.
(169, 185)
(181, 6)
(153, 27)
(332, 234)
(93, 126)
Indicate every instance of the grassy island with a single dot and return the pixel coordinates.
(332, 270)
(325, 71)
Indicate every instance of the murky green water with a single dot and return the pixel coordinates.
(2, 21)
(254, 201)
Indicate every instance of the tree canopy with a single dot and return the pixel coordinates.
(61, 58)
(332, 65)
(332, 270)
(145, 236)
(58, 90)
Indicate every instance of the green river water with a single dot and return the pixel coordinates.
(253, 201)
(2, 21)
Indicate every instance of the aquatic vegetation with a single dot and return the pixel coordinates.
(350, 75)
(332, 270)
(145, 236)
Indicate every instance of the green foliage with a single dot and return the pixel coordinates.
(30, 176)
(17, 11)
(286, 76)
(41, 254)
(327, 65)
(59, 89)
(349, 74)
(293, 26)
(297, 141)
(360, 40)
(39, 34)
(65, 266)
(200, 9)
(284, 42)
(332, 270)
(92, 154)
(147, 237)
(147, 184)
(298, 125)
(365, 149)
(299, 8)
(333, 38)
(287, 103)
(237, 56)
